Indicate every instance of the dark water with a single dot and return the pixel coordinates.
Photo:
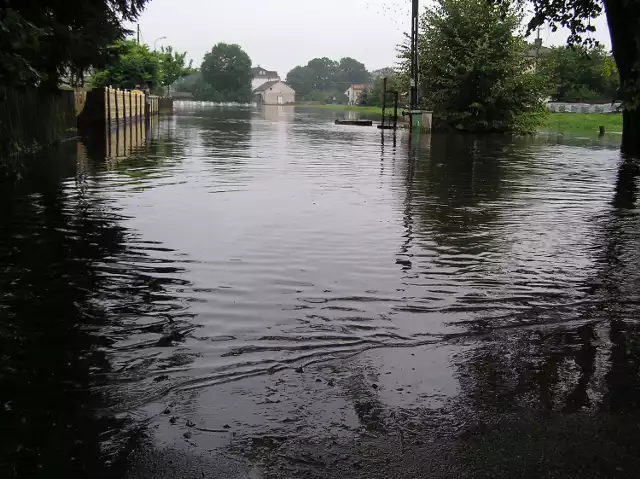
(262, 293)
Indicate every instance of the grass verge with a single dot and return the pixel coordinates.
(554, 122)
(364, 109)
(583, 122)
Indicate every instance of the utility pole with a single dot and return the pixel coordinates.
(138, 25)
(414, 54)
(414, 102)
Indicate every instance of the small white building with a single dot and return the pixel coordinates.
(261, 76)
(354, 92)
(274, 93)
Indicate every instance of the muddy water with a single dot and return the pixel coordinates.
(261, 293)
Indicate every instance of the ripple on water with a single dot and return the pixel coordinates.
(239, 244)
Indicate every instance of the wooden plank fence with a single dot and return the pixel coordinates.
(112, 107)
(31, 119)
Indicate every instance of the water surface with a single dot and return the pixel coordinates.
(255, 273)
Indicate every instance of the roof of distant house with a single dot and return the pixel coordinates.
(536, 51)
(358, 86)
(265, 86)
(263, 72)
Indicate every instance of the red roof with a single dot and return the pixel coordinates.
(358, 86)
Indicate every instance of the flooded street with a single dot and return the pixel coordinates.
(262, 293)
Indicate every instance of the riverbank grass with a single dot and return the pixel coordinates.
(363, 109)
(553, 122)
(582, 122)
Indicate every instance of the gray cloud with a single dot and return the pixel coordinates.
(280, 34)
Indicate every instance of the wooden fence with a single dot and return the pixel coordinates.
(128, 105)
(118, 143)
(31, 119)
(107, 107)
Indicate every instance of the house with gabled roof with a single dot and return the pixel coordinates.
(262, 75)
(274, 93)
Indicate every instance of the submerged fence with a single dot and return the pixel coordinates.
(31, 118)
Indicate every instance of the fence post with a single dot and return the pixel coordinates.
(108, 94)
(124, 102)
(127, 123)
(115, 97)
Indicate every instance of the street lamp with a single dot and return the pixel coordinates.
(156, 41)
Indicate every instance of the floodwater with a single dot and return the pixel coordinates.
(260, 293)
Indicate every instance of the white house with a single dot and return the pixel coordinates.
(354, 92)
(274, 93)
(262, 75)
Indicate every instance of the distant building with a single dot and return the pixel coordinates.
(274, 93)
(261, 76)
(354, 92)
(535, 52)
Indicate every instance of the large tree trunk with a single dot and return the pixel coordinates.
(623, 17)
(631, 132)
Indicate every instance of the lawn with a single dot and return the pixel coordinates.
(364, 109)
(583, 122)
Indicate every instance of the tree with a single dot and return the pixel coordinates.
(352, 71)
(132, 65)
(623, 17)
(174, 65)
(474, 68)
(227, 69)
(326, 76)
(325, 71)
(372, 95)
(62, 38)
(302, 80)
(19, 42)
(580, 73)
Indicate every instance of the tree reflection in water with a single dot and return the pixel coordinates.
(72, 281)
(563, 400)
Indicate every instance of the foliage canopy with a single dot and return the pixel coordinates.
(580, 73)
(44, 41)
(623, 18)
(225, 74)
(474, 69)
(323, 79)
(134, 65)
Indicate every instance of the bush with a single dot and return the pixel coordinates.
(476, 74)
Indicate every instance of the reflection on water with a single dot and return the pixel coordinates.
(310, 280)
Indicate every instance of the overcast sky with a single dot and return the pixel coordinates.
(280, 34)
